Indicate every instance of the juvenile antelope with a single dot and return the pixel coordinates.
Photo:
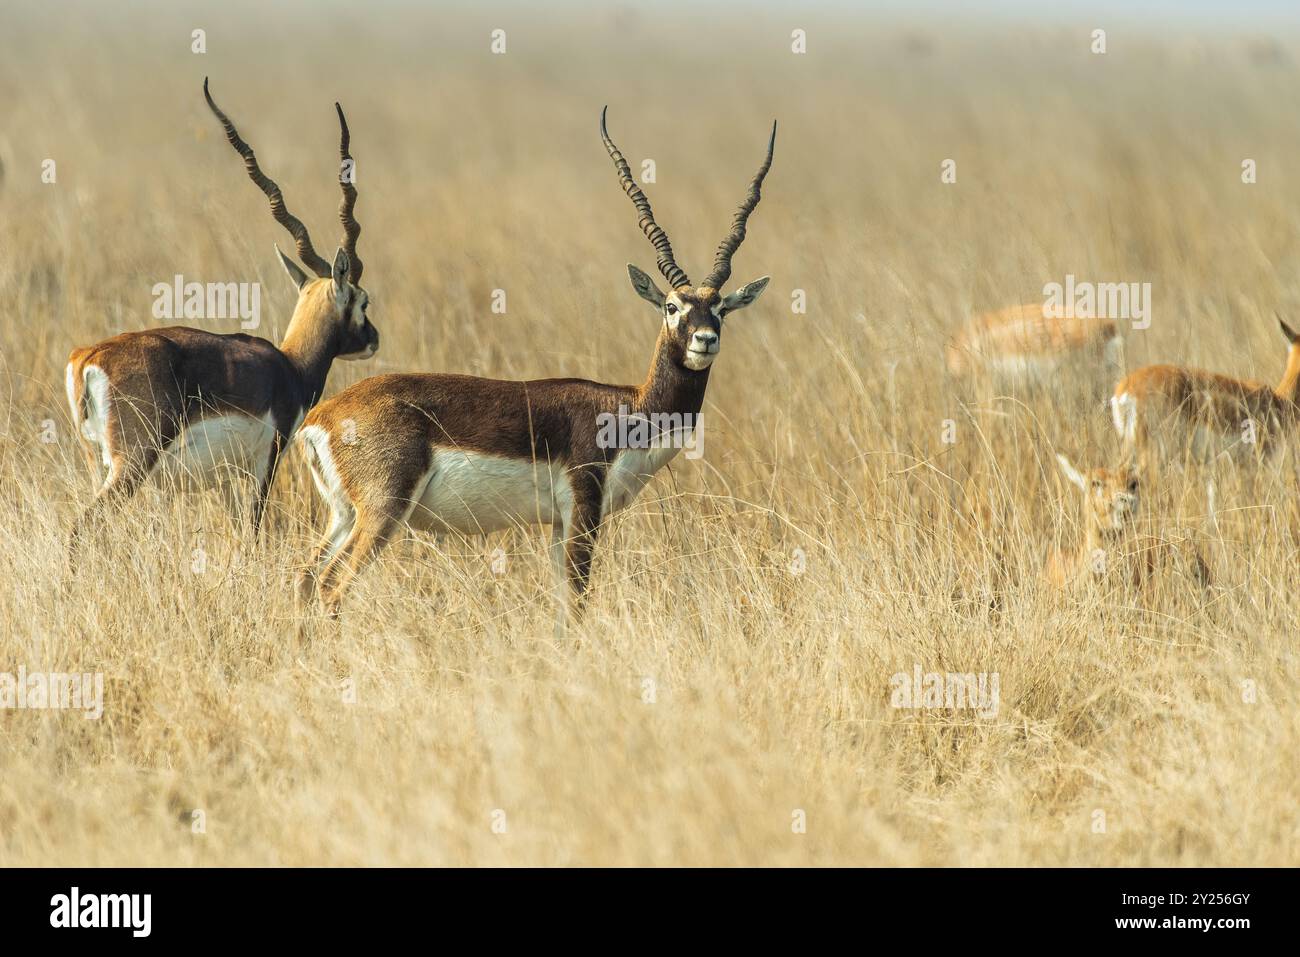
(455, 452)
(1024, 344)
(1164, 408)
(1111, 550)
(208, 409)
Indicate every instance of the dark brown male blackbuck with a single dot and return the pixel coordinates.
(472, 455)
(214, 410)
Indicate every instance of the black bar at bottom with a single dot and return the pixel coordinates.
(334, 906)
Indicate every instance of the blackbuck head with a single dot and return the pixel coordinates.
(692, 315)
(332, 307)
(1110, 496)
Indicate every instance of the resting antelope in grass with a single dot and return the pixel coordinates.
(455, 452)
(1111, 550)
(1024, 344)
(205, 408)
(1164, 408)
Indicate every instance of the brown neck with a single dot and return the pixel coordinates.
(1286, 389)
(669, 387)
(311, 345)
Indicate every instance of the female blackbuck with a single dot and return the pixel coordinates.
(1111, 551)
(206, 409)
(1164, 409)
(1026, 344)
(454, 452)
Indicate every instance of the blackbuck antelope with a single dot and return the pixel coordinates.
(472, 455)
(211, 410)
(1023, 344)
(1111, 549)
(1164, 409)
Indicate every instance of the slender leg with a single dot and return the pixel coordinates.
(561, 584)
(94, 463)
(341, 525)
(580, 534)
(124, 478)
(578, 552)
(368, 538)
(376, 523)
(264, 484)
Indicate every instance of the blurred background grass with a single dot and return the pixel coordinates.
(479, 172)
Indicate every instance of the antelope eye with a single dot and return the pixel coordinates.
(671, 309)
(1133, 485)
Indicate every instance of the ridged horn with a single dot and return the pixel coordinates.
(675, 275)
(306, 252)
(727, 248)
(351, 228)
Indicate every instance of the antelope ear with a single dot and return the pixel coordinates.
(296, 274)
(342, 265)
(645, 287)
(1071, 472)
(745, 295)
(1287, 330)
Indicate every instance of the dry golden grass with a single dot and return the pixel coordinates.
(772, 688)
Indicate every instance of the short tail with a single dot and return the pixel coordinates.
(87, 389)
(315, 444)
(1123, 412)
(305, 439)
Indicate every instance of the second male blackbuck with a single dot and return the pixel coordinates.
(472, 455)
(1167, 411)
(209, 410)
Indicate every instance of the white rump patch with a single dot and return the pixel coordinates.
(94, 426)
(70, 386)
(1123, 412)
(325, 475)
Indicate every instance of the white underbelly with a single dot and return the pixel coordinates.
(214, 450)
(473, 493)
(1037, 370)
(1049, 368)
